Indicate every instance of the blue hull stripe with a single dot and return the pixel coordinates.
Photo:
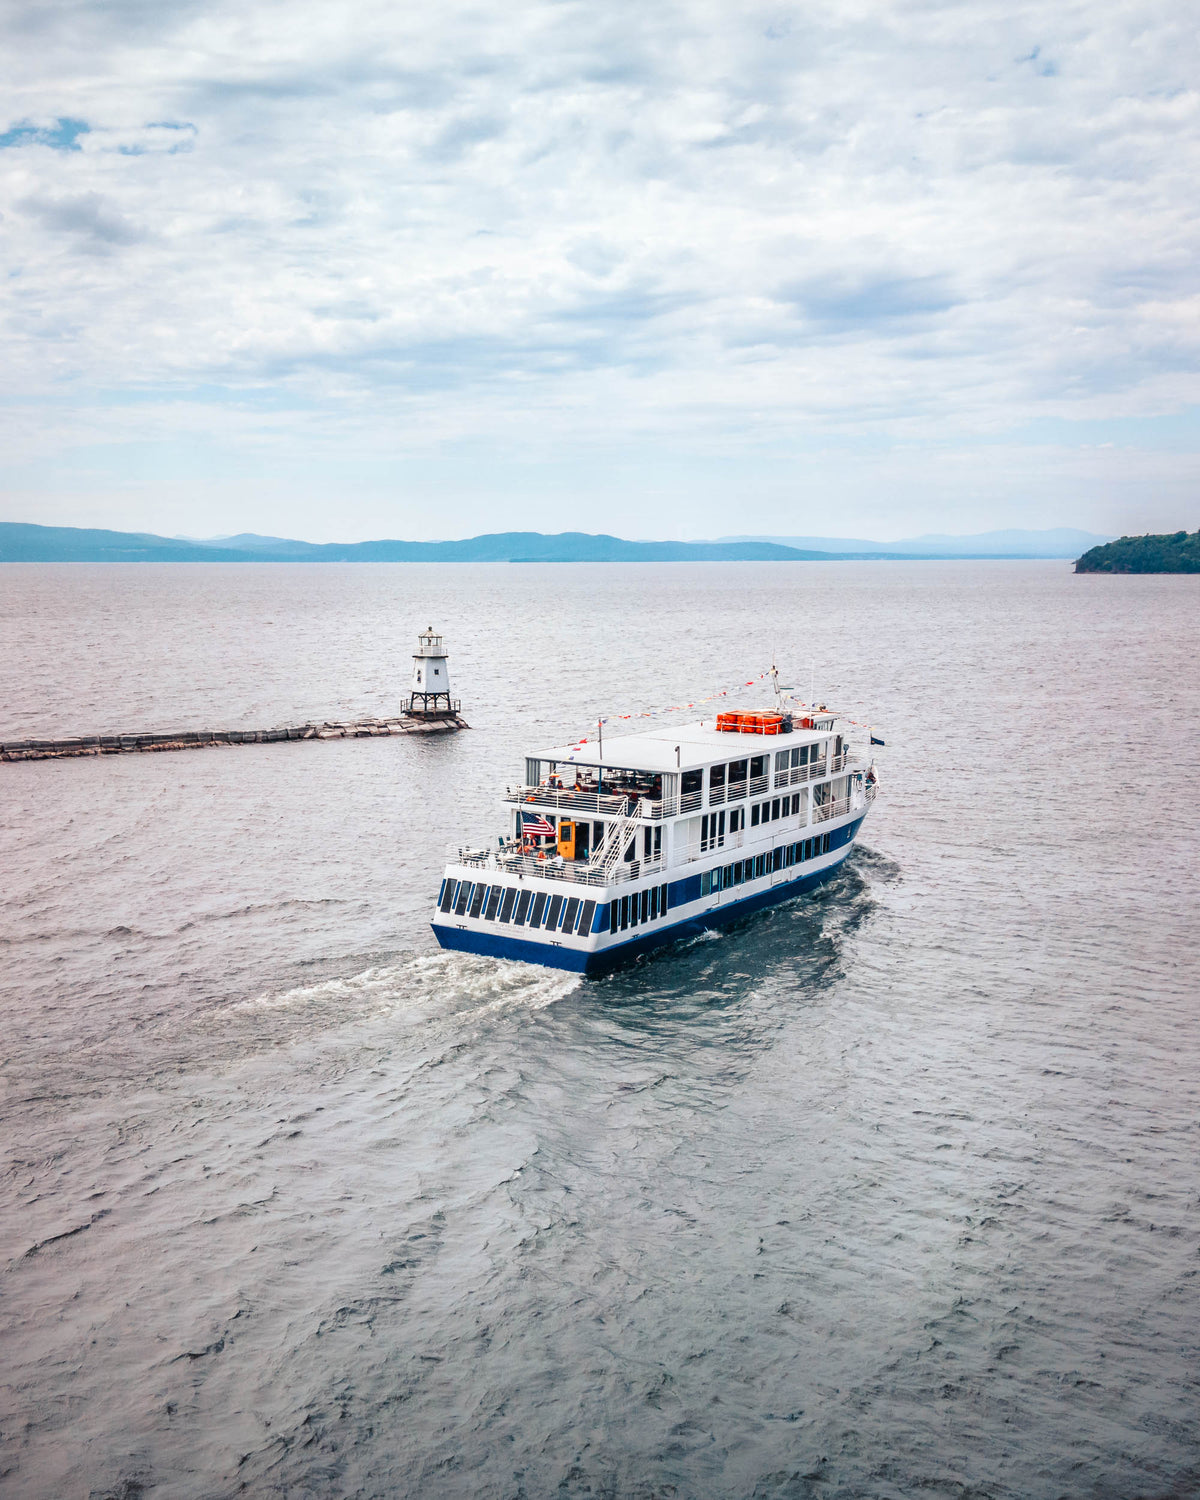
(578, 961)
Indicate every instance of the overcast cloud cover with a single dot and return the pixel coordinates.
(342, 271)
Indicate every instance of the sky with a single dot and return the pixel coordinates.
(672, 270)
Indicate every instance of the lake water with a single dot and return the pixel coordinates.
(891, 1191)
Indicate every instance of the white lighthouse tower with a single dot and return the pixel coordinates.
(430, 696)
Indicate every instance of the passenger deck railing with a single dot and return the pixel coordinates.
(598, 804)
(700, 848)
(794, 775)
(572, 872)
(827, 810)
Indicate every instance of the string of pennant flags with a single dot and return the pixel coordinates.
(675, 708)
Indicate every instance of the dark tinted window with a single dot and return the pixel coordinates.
(539, 906)
(572, 913)
(522, 910)
(692, 782)
(477, 899)
(758, 765)
(737, 770)
(493, 902)
(585, 917)
(464, 895)
(716, 776)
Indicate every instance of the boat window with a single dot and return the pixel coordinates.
(447, 895)
(654, 903)
(758, 765)
(693, 781)
(614, 915)
(737, 770)
(716, 777)
(539, 906)
(464, 895)
(522, 910)
(624, 912)
(552, 914)
(663, 902)
(754, 814)
(477, 899)
(506, 907)
(493, 903)
(774, 809)
(585, 918)
(572, 913)
(781, 760)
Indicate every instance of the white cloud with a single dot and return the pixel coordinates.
(803, 243)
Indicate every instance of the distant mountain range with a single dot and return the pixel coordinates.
(22, 542)
(1060, 541)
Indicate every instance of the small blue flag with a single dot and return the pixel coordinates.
(875, 740)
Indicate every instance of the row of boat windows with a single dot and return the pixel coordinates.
(713, 826)
(772, 808)
(755, 868)
(522, 908)
(735, 773)
(640, 907)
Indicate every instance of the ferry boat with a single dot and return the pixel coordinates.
(619, 847)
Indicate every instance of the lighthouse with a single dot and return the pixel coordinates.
(430, 696)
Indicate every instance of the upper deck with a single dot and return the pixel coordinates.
(658, 775)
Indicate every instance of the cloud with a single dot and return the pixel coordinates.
(718, 230)
(87, 216)
(845, 303)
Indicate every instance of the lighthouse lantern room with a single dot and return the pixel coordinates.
(430, 696)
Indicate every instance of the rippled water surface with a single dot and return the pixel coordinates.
(893, 1191)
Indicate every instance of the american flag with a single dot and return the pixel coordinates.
(536, 824)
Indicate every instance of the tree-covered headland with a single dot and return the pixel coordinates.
(1177, 553)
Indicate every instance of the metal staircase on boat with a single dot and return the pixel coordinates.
(616, 839)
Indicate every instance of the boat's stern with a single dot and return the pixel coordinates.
(513, 915)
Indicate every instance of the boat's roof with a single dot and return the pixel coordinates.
(699, 744)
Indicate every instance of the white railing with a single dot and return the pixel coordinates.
(827, 810)
(794, 775)
(565, 800)
(572, 872)
(599, 804)
(702, 848)
(690, 801)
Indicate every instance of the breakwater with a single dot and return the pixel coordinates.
(201, 739)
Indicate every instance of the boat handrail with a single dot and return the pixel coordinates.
(568, 800)
(573, 872)
(826, 810)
